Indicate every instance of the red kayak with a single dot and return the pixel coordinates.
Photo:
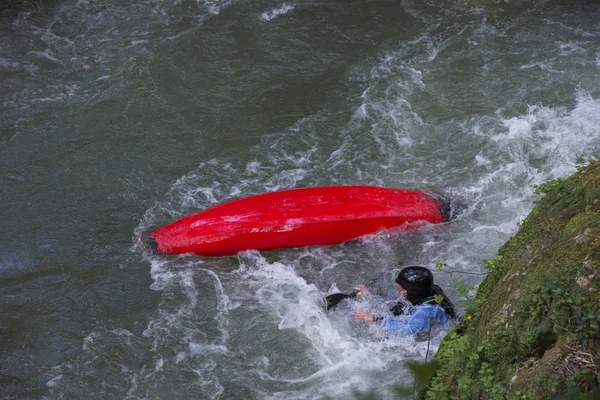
(298, 217)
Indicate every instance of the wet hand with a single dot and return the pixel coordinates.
(367, 316)
(361, 290)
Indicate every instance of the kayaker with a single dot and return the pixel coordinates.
(417, 309)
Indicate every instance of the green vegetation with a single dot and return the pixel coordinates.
(532, 330)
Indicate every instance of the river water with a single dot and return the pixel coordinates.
(120, 116)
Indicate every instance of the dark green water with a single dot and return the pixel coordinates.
(117, 117)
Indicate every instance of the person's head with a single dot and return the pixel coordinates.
(417, 281)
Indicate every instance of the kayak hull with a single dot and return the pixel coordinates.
(296, 218)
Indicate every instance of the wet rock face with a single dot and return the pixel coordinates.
(533, 330)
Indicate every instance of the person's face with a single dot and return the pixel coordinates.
(401, 291)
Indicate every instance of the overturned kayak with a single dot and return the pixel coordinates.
(297, 217)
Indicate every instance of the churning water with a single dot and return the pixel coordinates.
(120, 116)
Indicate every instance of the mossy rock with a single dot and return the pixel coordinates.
(532, 330)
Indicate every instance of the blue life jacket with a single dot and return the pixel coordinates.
(420, 319)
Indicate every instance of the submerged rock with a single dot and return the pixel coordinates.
(532, 331)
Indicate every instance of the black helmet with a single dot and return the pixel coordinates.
(418, 282)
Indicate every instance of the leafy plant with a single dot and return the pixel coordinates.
(550, 186)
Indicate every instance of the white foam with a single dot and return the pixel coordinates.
(158, 364)
(133, 386)
(54, 381)
(202, 349)
(554, 134)
(541, 65)
(136, 42)
(9, 65)
(570, 48)
(47, 54)
(253, 167)
(481, 161)
(276, 12)
(214, 7)
(343, 353)
(89, 340)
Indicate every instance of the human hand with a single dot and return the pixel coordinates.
(403, 295)
(367, 316)
(361, 290)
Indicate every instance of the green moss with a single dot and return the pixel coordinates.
(540, 300)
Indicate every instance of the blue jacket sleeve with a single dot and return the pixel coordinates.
(419, 320)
